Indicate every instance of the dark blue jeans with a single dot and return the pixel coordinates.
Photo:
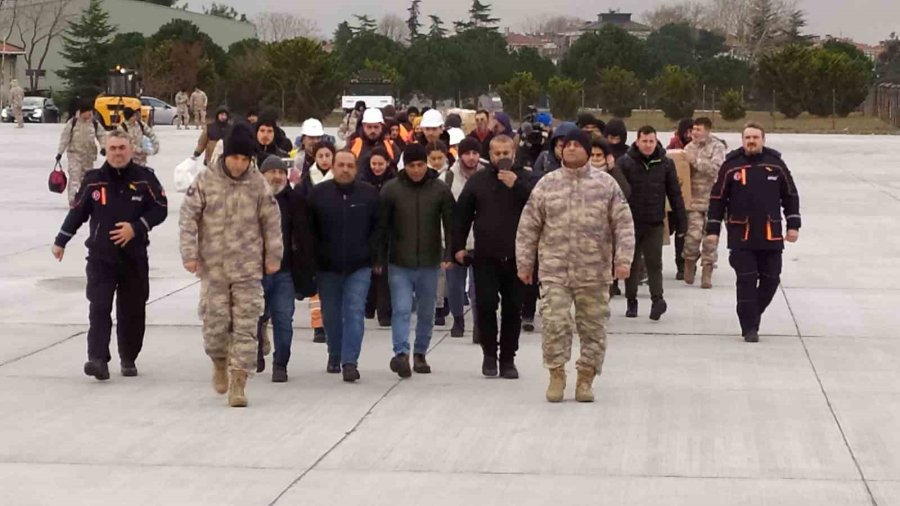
(279, 293)
(456, 290)
(344, 311)
(404, 283)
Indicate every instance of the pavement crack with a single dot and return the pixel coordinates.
(834, 416)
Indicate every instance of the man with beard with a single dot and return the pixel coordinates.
(266, 129)
(311, 132)
(753, 187)
(278, 288)
(374, 134)
(482, 132)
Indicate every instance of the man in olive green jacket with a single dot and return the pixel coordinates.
(414, 205)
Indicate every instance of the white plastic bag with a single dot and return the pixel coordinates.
(185, 172)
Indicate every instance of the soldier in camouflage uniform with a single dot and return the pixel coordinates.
(79, 140)
(198, 102)
(578, 224)
(706, 154)
(136, 131)
(182, 115)
(230, 235)
(16, 97)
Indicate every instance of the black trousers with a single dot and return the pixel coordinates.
(497, 280)
(128, 280)
(379, 297)
(758, 276)
(648, 243)
(531, 296)
(679, 243)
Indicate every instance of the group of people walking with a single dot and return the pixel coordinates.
(410, 217)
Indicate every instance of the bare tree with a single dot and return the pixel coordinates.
(8, 10)
(692, 13)
(38, 24)
(278, 26)
(393, 27)
(551, 24)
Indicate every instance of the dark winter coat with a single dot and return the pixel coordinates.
(652, 180)
(344, 221)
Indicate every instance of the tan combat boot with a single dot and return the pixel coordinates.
(236, 396)
(584, 387)
(706, 279)
(690, 271)
(557, 388)
(220, 375)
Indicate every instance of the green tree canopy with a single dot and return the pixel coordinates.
(86, 45)
(618, 91)
(309, 77)
(674, 92)
(787, 73)
(527, 59)
(609, 47)
(565, 96)
(518, 93)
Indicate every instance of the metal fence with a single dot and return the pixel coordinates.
(884, 102)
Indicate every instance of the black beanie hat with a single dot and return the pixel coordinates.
(469, 144)
(414, 153)
(240, 141)
(581, 137)
(453, 121)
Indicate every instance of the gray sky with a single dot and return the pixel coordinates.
(864, 20)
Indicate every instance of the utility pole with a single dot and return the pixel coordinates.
(833, 109)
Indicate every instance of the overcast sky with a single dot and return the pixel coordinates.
(864, 20)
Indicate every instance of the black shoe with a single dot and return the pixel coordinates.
(679, 275)
(466, 300)
(489, 367)
(614, 290)
(751, 336)
(334, 365)
(351, 373)
(370, 315)
(400, 365)
(528, 324)
(476, 338)
(508, 370)
(420, 365)
(319, 335)
(658, 309)
(459, 327)
(129, 370)
(260, 358)
(632, 310)
(97, 369)
(384, 322)
(445, 311)
(439, 320)
(279, 374)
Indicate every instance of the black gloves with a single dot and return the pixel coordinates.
(102, 151)
(58, 157)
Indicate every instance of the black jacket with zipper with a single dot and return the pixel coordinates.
(344, 222)
(495, 210)
(751, 192)
(411, 218)
(652, 180)
(109, 196)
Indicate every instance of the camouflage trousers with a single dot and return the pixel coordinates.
(200, 117)
(591, 315)
(695, 247)
(230, 313)
(182, 118)
(20, 117)
(78, 166)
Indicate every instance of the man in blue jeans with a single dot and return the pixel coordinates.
(414, 205)
(343, 215)
(278, 288)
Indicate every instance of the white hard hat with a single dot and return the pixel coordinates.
(372, 116)
(312, 128)
(456, 136)
(432, 119)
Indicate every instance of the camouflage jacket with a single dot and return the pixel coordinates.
(78, 138)
(198, 100)
(136, 134)
(232, 226)
(578, 223)
(181, 99)
(16, 96)
(708, 159)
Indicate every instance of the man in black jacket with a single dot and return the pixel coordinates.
(278, 288)
(344, 220)
(653, 179)
(493, 199)
(124, 202)
(753, 187)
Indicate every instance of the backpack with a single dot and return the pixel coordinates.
(72, 131)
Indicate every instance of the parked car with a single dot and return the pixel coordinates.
(35, 110)
(163, 113)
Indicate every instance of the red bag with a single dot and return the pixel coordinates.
(57, 181)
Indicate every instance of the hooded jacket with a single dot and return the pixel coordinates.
(653, 179)
(547, 161)
(211, 135)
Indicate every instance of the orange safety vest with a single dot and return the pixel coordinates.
(356, 149)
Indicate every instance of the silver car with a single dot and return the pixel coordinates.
(163, 113)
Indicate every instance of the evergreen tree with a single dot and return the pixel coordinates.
(793, 33)
(86, 46)
(366, 24)
(342, 36)
(437, 29)
(480, 15)
(412, 23)
(761, 26)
